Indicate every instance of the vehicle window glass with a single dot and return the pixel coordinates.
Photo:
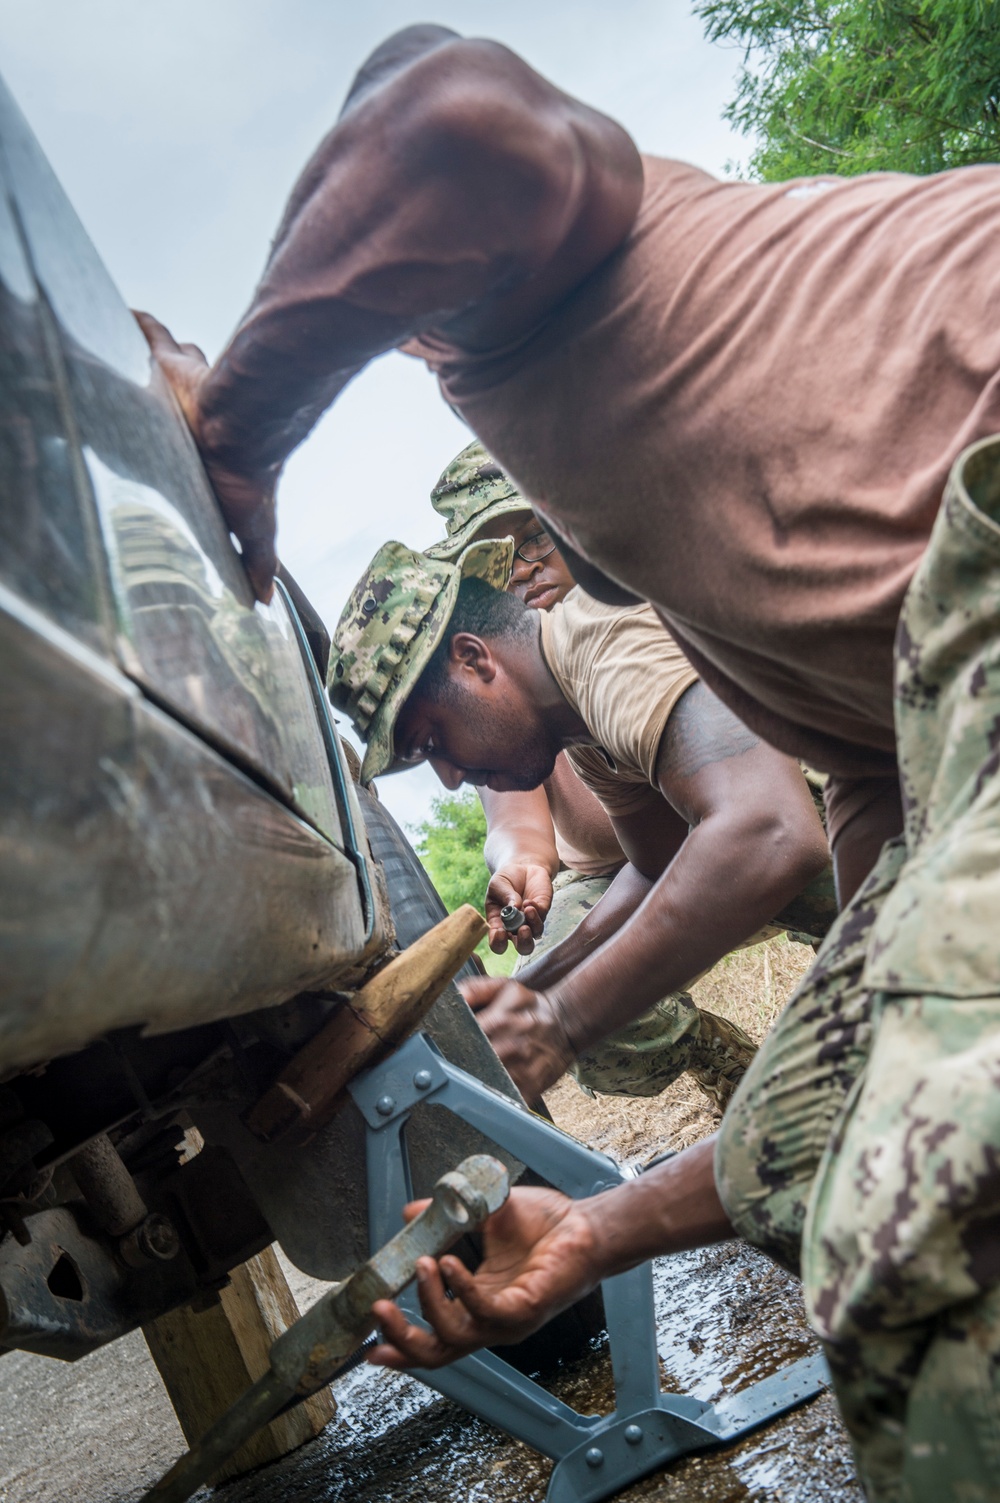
(189, 629)
(45, 554)
(69, 269)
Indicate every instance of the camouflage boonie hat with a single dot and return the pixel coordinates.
(471, 492)
(389, 629)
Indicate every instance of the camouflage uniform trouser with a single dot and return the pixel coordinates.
(865, 1137)
(650, 1052)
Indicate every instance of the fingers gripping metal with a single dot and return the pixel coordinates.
(595, 1455)
(318, 1345)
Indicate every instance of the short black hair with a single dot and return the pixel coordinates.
(483, 612)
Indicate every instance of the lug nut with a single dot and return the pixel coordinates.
(512, 918)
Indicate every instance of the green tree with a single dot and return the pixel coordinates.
(450, 845)
(848, 86)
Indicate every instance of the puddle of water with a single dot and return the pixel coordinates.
(726, 1318)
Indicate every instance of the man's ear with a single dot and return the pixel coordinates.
(471, 654)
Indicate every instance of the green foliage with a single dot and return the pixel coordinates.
(848, 86)
(450, 845)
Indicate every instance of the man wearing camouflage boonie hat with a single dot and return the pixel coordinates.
(388, 631)
(553, 853)
(772, 384)
(472, 491)
(437, 668)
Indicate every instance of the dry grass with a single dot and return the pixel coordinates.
(748, 986)
(752, 986)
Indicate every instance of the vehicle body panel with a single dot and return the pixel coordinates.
(176, 837)
(190, 882)
(183, 620)
(143, 879)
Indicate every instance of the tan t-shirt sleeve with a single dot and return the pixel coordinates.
(623, 673)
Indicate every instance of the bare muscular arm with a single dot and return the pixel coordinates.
(755, 842)
(542, 1251)
(459, 192)
(654, 833)
(625, 894)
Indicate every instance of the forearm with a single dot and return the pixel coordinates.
(270, 387)
(625, 895)
(519, 843)
(668, 1209)
(707, 902)
(543, 1251)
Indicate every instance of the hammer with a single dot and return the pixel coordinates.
(313, 1350)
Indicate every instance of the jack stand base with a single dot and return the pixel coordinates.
(595, 1455)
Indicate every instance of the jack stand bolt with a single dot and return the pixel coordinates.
(422, 1080)
(633, 1434)
(385, 1106)
(594, 1457)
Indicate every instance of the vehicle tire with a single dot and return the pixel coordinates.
(416, 906)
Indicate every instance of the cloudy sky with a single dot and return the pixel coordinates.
(177, 128)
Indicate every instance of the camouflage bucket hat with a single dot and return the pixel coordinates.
(471, 492)
(389, 629)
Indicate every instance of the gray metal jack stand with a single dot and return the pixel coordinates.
(595, 1455)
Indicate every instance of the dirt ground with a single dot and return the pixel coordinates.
(102, 1430)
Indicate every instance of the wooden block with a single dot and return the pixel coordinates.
(381, 1015)
(209, 1358)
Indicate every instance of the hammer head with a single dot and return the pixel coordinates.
(480, 1186)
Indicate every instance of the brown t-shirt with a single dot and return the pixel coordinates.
(748, 415)
(623, 674)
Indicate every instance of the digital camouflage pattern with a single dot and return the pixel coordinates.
(893, 1041)
(471, 492)
(781, 1119)
(388, 631)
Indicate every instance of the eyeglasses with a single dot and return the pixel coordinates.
(537, 547)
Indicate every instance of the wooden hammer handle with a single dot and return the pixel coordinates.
(381, 1015)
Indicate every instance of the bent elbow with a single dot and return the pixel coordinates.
(793, 854)
(803, 845)
(512, 155)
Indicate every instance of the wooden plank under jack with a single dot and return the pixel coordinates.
(208, 1359)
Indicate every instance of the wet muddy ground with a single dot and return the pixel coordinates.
(102, 1430)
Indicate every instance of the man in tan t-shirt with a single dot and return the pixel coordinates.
(720, 831)
(553, 853)
(740, 401)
